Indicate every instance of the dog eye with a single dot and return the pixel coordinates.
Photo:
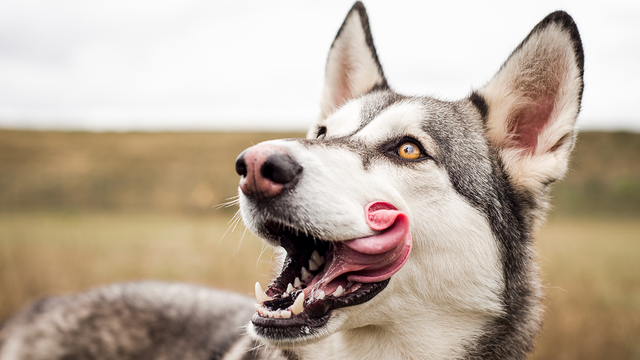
(409, 150)
(322, 132)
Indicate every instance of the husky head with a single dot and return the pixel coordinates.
(407, 220)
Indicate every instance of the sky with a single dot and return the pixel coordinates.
(151, 65)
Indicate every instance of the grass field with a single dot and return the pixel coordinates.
(79, 210)
(591, 269)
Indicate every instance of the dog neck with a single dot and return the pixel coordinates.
(425, 335)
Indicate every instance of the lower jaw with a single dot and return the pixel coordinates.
(290, 330)
(303, 327)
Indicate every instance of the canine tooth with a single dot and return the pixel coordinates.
(338, 291)
(290, 288)
(298, 305)
(296, 282)
(261, 312)
(320, 295)
(304, 274)
(319, 260)
(312, 265)
(260, 295)
(285, 314)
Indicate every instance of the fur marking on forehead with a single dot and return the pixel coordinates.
(402, 118)
(375, 103)
(357, 114)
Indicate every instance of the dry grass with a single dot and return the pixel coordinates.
(80, 209)
(50, 253)
(592, 270)
(168, 172)
(590, 266)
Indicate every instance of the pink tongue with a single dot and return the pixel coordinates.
(374, 258)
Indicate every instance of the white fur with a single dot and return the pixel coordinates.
(453, 286)
(450, 289)
(452, 281)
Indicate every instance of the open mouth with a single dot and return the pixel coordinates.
(319, 276)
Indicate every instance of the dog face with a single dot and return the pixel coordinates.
(354, 165)
(410, 210)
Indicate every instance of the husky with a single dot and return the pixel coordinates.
(404, 222)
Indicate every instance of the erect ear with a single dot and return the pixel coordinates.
(533, 101)
(352, 68)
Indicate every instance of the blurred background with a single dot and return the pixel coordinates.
(120, 122)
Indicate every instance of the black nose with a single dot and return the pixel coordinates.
(241, 166)
(280, 168)
(266, 170)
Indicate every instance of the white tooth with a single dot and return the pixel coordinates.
(285, 314)
(261, 311)
(290, 288)
(276, 315)
(338, 291)
(258, 306)
(304, 274)
(312, 265)
(320, 295)
(285, 295)
(260, 295)
(317, 258)
(296, 283)
(298, 305)
(269, 313)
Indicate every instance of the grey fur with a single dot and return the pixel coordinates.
(151, 320)
(140, 320)
(476, 171)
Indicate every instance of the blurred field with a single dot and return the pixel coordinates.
(592, 272)
(82, 209)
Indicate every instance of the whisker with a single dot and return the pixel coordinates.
(232, 225)
(234, 200)
(240, 242)
(262, 250)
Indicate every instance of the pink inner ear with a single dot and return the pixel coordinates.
(528, 124)
(343, 84)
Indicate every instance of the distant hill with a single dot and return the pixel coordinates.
(191, 172)
(603, 177)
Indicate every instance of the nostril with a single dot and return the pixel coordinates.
(280, 168)
(241, 166)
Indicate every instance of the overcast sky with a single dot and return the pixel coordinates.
(239, 65)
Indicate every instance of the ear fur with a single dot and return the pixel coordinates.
(352, 68)
(533, 101)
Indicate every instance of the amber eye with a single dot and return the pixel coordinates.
(409, 151)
